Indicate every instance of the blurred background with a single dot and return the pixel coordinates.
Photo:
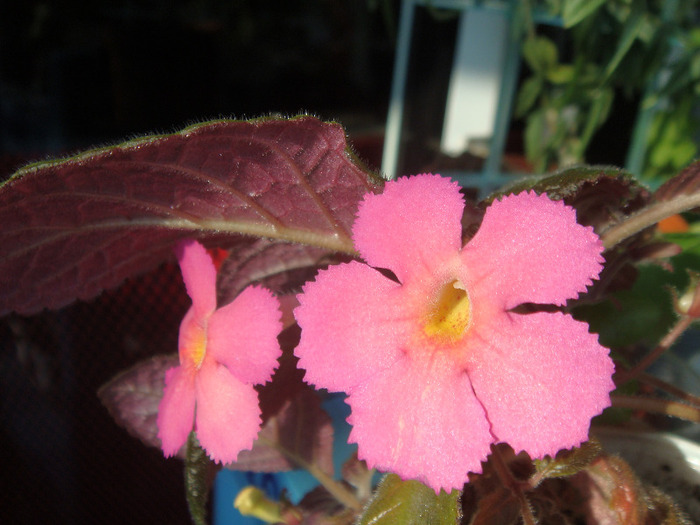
(481, 90)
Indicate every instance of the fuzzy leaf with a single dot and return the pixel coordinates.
(497, 506)
(293, 420)
(74, 227)
(568, 462)
(319, 507)
(132, 397)
(301, 428)
(410, 502)
(601, 194)
(687, 182)
(279, 266)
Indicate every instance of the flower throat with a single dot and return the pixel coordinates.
(448, 317)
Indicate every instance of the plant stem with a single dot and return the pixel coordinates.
(648, 216)
(681, 326)
(336, 489)
(671, 389)
(506, 476)
(657, 406)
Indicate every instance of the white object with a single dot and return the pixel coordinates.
(475, 82)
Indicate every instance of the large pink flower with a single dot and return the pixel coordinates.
(223, 353)
(436, 365)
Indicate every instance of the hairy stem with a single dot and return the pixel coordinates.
(336, 489)
(657, 406)
(648, 216)
(506, 476)
(681, 326)
(669, 388)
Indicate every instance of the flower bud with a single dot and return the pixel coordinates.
(251, 501)
(689, 303)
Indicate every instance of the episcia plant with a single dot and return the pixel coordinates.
(475, 341)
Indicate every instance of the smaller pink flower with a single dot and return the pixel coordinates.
(223, 353)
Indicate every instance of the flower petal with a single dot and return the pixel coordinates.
(421, 421)
(352, 321)
(243, 335)
(199, 275)
(541, 378)
(176, 409)
(531, 249)
(228, 415)
(414, 225)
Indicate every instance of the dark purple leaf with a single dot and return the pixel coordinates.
(302, 428)
(356, 473)
(279, 266)
(293, 420)
(319, 507)
(601, 195)
(685, 183)
(72, 228)
(132, 397)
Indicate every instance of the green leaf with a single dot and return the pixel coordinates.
(568, 462)
(561, 74)
(198, 480)
(411, 503)
(534, 137)
(540, 53)
(576, 10)
(527, 95)
(642, 314)
(597, 115)
(632, 28)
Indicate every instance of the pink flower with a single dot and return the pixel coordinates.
(436, 366)
(223, 353)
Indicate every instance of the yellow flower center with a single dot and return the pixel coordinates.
(194, 346)
(198, 348)
(448, 317)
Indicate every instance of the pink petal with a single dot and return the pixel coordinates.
(199, 275)
(228, 415)
(352, 319)
(541, 378)
(421, 420)
(413, 226)
(531, 249)
(176, 409)
(243, 335)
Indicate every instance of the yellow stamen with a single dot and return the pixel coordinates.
(195, 346)
(448, 317)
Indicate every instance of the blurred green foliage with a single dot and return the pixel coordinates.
(647, 50)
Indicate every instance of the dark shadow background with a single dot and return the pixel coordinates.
(77, 74)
